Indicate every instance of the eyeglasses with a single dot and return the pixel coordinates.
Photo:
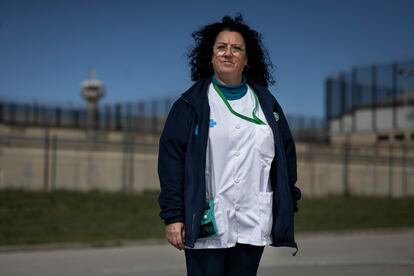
(221, 49)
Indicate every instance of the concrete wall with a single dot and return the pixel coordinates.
(363, 120)
(384, 119)
(363, 171)
(47, 159)
(322, 169)
(77, 170)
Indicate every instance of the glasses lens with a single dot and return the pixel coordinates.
(221, 49)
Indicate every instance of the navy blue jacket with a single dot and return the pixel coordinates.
(182, 160)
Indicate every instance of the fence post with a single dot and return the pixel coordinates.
(92, 148)
(404, 170)
(328, 99)
(342, 106)
(346, 168)
(394, 96)
(107, 117)
(154, 116)
(26, 120)
(390, 168)
(75, 120)
(141, 117)
(58, 114)
(377, 162)
(354, 91)
(312, 162)
(131, 162)
(2, 145)
(118, 117)
(12, 110)
(128, 117)
(126, 164)
(97, 119)
(36, 114)
(54, 163)
(1, 112)
(374, 96)
(46, 161)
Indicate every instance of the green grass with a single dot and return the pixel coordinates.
(94, 217)
(35, 217)
(354, 213)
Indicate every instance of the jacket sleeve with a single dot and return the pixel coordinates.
(171, 161)
(290, 152)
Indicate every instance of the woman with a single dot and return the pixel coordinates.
(227, 160)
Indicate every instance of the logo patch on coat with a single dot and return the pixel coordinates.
(212, 123)
(276, 116)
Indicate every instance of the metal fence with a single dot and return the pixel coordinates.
(147, 117)
(308, 128)
(370, 87)
(140, 116)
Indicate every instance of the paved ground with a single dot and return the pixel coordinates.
(363, 253)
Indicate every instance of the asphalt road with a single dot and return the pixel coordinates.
(363, 253)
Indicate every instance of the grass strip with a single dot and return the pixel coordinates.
(36, 217)
(354, 213)
(59, 217)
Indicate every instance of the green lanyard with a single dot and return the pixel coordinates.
(255, 119)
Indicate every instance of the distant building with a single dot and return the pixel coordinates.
(372, 104)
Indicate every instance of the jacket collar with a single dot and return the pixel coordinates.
(262, 93)
(196, 95)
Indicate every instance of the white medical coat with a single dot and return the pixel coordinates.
(239, 157)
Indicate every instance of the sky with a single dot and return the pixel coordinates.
(138, 48)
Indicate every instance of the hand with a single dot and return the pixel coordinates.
(175, 234)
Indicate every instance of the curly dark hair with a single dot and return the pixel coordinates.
(259, 63)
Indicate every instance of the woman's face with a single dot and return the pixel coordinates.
(229, 57)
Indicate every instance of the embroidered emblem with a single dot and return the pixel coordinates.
(196, 130)
(212, 123)
(276, 116)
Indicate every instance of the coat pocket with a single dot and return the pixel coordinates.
(214, 220)
(265, 143)
(265, 210)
